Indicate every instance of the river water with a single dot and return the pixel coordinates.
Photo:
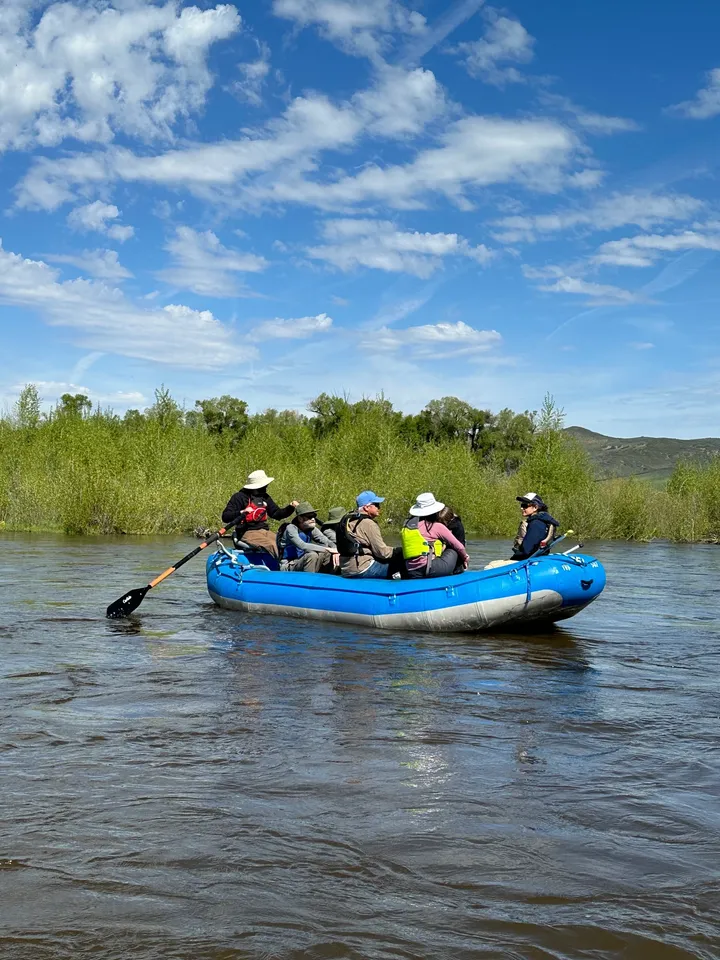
(204, 784)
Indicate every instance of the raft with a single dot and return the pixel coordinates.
(542, 589)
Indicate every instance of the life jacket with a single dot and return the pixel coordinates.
(549, 536)
(288, 551)
(256, 513)
(414, 544)
(522, 530)
(520, 535)
(347, 544)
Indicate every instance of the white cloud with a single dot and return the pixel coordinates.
(434, 340)
(707, 101)
(475, 152)
(103, 319)
(644, 250)
(398, 104)
(598, 293)
(380, 245)
(202, 264)
(308, 126)
(642, 209)
(506, 41)
(103, 264)
(89, 71)
(253, 74)
(642, 345)
(297, 329)
(596, 123)
(361, 27)
(95, 216)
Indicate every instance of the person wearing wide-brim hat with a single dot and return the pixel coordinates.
(303, 547)
(253, 504)
(430, 549)
(329, 528)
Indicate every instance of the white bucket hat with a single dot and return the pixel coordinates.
(256, 480)
(425, 505)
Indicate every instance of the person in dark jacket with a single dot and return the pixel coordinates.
(254, 505)
(453, 522)
(540, 528)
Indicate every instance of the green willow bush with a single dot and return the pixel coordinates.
(166, 472)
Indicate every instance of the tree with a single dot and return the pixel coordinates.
(279, 421)
(452, 419)
(508, 439)
(74, 405)
(165, 410)
(133, 418)
(331, 412)
(224, 415)
(27, 408)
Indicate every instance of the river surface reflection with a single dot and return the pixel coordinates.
(198, 783)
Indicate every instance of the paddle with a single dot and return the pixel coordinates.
(128, 602)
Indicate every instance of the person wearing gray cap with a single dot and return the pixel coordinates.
(302, 546)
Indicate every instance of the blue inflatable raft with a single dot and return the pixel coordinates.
(547, 588)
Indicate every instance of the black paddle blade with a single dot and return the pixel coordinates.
(125, 604)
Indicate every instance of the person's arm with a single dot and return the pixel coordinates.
(292, 534)
(279, 513)
(319, 537)
(377, 546)
(443, 533)
(532, 540)
(235, 506)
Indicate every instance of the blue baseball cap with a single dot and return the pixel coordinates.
(366, 497)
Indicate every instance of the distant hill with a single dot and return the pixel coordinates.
(650, 457)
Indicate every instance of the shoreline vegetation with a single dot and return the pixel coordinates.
(80, 470)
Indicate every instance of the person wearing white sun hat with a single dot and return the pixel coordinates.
(254, 504)
(429, 548)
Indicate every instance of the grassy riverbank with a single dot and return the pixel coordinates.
(95, 473)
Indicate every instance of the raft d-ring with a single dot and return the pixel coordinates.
(392, 599)
(450, 591)
(586, 584)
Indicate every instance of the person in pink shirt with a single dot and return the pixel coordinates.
(420, 534)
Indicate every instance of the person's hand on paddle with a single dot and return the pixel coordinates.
(294, 503)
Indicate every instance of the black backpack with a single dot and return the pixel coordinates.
(347, 544)
(278, 537)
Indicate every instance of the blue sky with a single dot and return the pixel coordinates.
(283, 197)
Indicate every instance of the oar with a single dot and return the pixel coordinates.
(128, 602)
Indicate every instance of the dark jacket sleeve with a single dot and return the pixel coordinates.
(536, 532)
(235, 505)
(276, 512)
(457, 528)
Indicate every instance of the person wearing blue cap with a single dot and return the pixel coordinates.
(363, 552)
